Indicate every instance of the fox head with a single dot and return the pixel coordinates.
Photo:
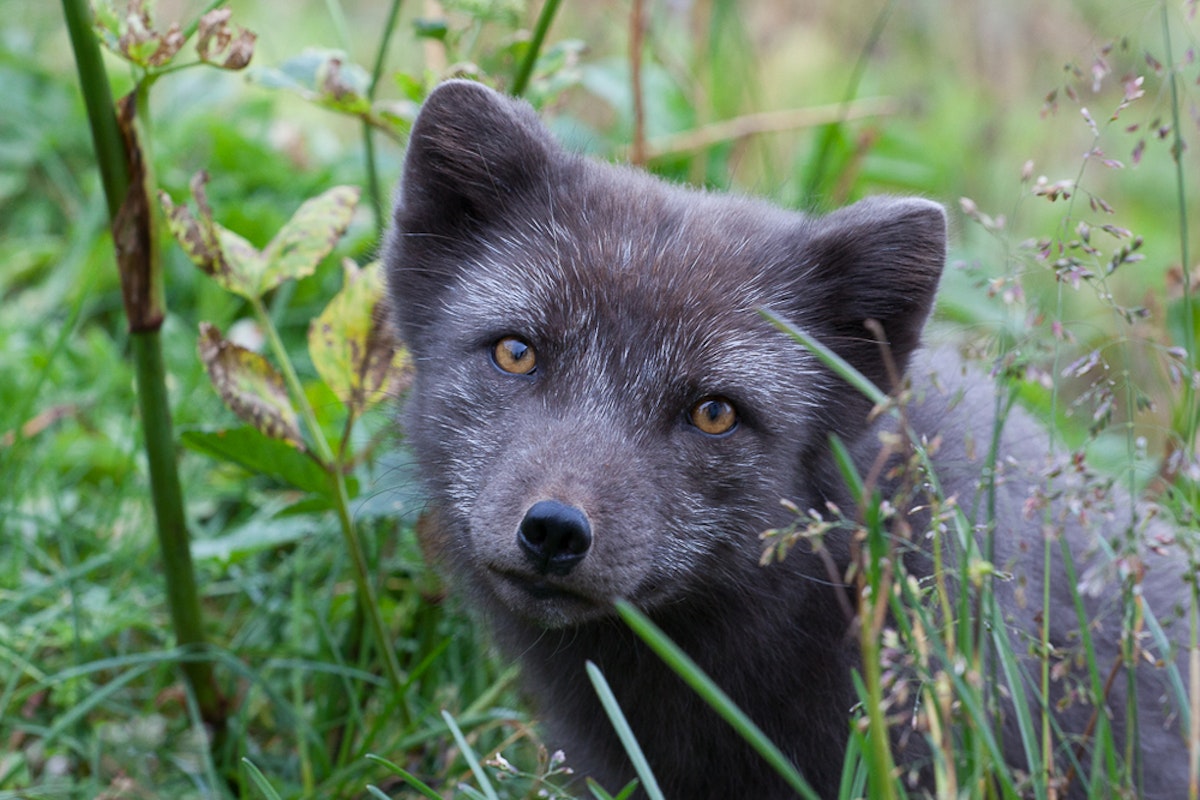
(600, 409)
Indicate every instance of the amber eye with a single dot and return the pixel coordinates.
(714, 416)
(514, 356)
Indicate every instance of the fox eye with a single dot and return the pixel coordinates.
(713, 415)
(514, 356)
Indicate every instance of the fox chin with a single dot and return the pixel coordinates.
(601, 410)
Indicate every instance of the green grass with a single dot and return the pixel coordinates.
(92, 697)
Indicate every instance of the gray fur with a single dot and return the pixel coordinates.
(641, 298)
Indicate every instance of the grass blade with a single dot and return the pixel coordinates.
(260, 780)
(408, 777)
(829, 358)
(471, 758)
(624, 732)
(712, 694)
(1026, 726)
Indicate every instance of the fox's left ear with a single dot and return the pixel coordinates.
(881, 259)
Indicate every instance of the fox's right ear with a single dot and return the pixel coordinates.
(471, 148)
(473, 158)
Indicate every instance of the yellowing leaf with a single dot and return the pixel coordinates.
(234, 263)
(308, 236)
(249, 385)
(353, 344)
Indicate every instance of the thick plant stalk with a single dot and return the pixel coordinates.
(525, 70)
(137, 260)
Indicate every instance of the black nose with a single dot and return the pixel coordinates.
(554, 537)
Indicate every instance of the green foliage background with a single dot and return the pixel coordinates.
(942, 98)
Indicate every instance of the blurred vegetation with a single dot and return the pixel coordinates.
(1060, 134)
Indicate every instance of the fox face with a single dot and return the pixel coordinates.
(600, 408)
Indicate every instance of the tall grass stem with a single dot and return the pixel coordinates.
(374, 185)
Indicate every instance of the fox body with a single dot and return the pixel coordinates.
(601, 411)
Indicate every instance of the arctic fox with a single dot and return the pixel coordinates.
(602, 411)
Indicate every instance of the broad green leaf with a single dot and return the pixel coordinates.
(255, 452)
(249, 385)
(308, 236)
(353, 345)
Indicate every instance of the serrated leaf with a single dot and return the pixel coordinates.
(249, 385)
(253, 451)
(353, 345)
(308, 236)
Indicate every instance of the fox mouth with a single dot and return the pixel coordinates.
(539, 588)
(544, 602)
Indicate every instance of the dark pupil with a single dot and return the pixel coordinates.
(714, 410)
(516, 350)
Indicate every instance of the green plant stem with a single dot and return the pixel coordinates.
(1191, 420)
(337, 16)
(637, 30)
(1194, 680)
(324, 454)
(872, 618)
(153, 402)
(540, 28)
(182, 597)
(374, 190)
(97, 99)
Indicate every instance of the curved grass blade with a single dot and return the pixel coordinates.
(831, 359)
(712, 694)
(260, 780)
(624, 732)
(469, 755)
(412, 780)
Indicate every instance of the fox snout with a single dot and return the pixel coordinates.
(554, 537)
